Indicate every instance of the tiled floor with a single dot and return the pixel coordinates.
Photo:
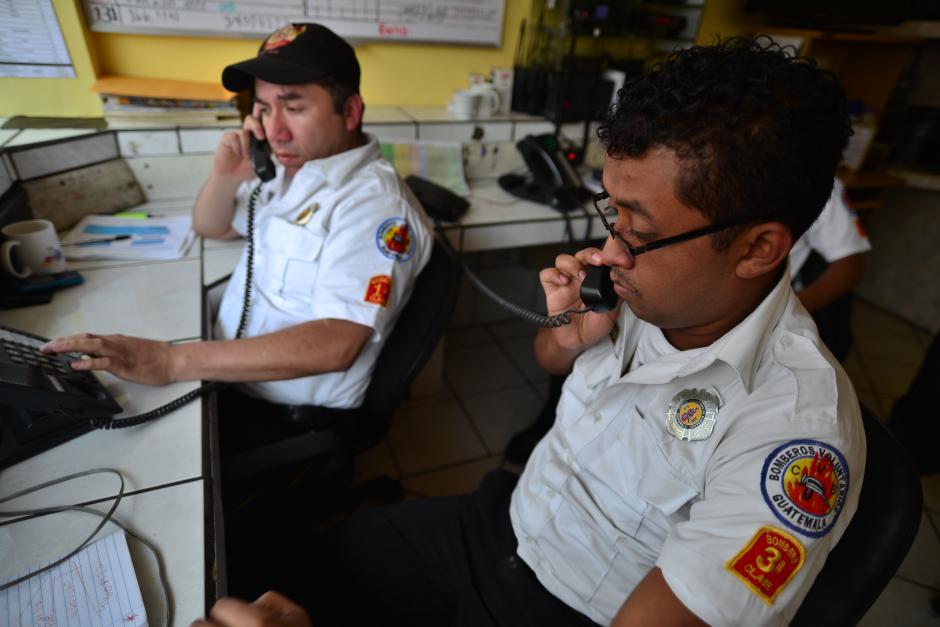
(443, 444)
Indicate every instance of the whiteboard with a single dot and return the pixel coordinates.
(453, 21)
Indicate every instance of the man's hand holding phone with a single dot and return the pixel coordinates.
(233, 156)
(562, 285)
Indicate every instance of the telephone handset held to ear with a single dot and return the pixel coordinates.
(597, 289)
(261, 158)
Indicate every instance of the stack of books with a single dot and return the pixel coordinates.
(145, 102)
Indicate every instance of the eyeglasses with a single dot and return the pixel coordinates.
(634, 251)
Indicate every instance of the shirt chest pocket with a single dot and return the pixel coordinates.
(639, 480)
(292, 254)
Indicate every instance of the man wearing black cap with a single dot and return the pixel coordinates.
(335, 242)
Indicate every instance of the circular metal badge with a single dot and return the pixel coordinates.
(692, 414)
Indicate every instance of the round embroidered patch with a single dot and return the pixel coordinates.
(393, 239)
(804, 482)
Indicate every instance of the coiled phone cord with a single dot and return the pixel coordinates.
(109, 422)
(548, 322)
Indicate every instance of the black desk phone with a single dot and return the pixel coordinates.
(552, 180)
(43, 401)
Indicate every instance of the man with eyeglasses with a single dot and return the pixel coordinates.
(707, 452)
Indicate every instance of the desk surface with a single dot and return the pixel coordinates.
(162, 461)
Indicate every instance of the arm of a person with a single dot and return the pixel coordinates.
(215, 208)
(838, 279)
(653, 604)
(552, 357)
(231, 165)
(315, 347)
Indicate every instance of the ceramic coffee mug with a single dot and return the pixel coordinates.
(466, 104)
(36, 246)
(489, 99)
(502, 81)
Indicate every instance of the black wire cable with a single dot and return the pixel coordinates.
(109, 422)
(249, 262)
(28, 514)
(549, 322)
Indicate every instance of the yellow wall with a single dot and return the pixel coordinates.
(57, 96)
(726, 18)
(392, 73)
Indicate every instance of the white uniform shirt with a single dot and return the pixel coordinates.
(834, 235)
(344, 238)
(610, 493)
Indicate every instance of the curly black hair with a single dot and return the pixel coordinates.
(759, 132)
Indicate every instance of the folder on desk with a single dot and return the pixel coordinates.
(128, 101)
(96, 587)
(149, 238)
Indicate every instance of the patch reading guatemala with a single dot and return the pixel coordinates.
(768, 562)
(378, 290)
(804, 482)
(692, 414)
(393, 239)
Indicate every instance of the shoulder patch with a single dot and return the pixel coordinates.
(393, 239)
(768, 562)
(378, 290)
(804, 483)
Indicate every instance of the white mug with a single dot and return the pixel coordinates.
(502, 81)
(466, 104)
(37, 248)
(501, 77)
(489, 99)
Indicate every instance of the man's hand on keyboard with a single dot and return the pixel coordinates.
(131, 358)
(270, 610)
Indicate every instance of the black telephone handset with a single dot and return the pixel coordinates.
(553, 179)
(597, 289)
(261, 159)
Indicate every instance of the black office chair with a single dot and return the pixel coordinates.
(875, 542)
(340, 434)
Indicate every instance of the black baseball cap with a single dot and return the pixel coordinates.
(295, 54)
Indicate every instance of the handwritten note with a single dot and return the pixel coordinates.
(94, 588)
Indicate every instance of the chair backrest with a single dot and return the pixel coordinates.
(417, 332)
(875, 542)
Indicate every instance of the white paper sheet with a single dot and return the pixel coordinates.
(94, 588)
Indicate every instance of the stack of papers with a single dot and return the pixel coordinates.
(441, 162)
(95, 587)
(128, 102)
(149, 238)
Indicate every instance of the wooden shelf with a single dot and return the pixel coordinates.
(870, 180)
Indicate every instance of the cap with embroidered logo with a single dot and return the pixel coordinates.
(295, 54)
